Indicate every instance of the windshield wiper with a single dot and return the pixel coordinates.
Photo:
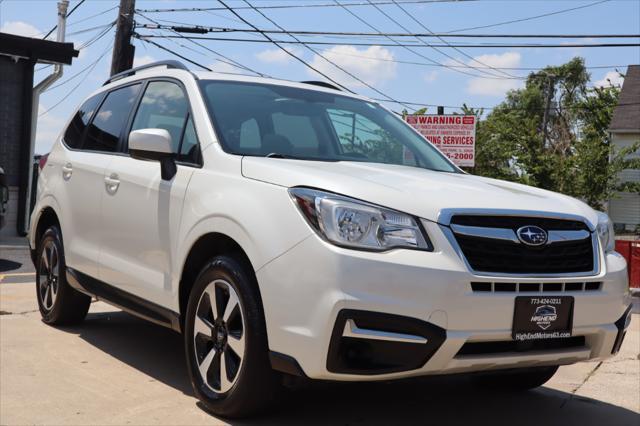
(285, 156)
(296, 157)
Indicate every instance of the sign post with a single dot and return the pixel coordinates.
(454, 135)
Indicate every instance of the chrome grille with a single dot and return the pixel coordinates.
(490, 245)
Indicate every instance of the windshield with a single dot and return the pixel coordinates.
(286, 122)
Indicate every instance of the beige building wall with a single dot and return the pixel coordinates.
(625, 207)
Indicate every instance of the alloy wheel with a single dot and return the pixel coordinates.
(218, 336)
(49, 275)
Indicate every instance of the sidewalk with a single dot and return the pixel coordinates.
(13, 242)
(117, 369)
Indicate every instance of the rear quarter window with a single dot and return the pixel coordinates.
(74, 132)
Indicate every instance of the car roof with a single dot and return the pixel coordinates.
(177, 70)
(316, 86)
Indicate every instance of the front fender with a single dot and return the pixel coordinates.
(260, 217)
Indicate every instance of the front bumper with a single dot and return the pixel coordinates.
(305, 290)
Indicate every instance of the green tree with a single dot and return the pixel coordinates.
(596, 161)
(564, 147)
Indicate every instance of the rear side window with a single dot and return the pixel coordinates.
(165, 106)
(104, 131)
(75, 130)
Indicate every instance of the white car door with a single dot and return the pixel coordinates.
(142, 212)
(83, 176)
(79, 191)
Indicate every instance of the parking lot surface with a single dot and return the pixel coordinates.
(117, 369)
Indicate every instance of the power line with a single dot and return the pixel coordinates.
(97, 37)
(627, 104)
(454, 59)
(326, 59)
(88, 30)
(292, 6)
(226, 59)
(458, 66)
(136, 35)
(166, 49)
(528, 18)
(270, 40)
(84, 45)
(462, 52)
(371, 58)
(419, 54)
(72, 77)
(74, 87)
(91, 16)
(68, 14)
(248, 23)
(466, 46)
(198, 29)
(218, 15)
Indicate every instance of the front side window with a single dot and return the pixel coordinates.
(263, 119)
(165, 106)
(75, 130)
(190, 148)
(104, 132)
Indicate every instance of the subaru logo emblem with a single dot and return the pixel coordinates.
(532, 235)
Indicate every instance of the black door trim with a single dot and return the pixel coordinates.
(123, 300)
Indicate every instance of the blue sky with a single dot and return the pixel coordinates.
(409, 82)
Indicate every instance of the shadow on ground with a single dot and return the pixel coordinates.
(158, 352)
(9, 265)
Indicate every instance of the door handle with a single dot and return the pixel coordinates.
(67, 170)
(112, 183)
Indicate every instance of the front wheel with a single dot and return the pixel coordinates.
(226, 342)
(516, 380)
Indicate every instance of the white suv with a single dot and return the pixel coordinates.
(293, 229)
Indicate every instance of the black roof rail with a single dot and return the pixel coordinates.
(322, 84)
(169, 64)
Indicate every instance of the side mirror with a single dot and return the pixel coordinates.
(154, 144)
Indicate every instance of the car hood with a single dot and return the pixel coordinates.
(420, 192)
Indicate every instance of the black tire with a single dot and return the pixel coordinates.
(60, 304)
(254, 384)
(515, 380)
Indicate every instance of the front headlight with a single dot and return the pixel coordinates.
(355, 224)
(606, 233)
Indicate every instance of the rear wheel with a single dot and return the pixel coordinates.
(225, 341)
(516, 380)
(59, 303)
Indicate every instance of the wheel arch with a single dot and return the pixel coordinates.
(47, 216)
(204, 249)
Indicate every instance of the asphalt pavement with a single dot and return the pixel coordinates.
(118, 369)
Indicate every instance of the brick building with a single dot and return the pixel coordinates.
(18, 56)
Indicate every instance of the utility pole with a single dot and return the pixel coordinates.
(123, 50)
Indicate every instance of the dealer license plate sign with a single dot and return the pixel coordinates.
(542, 317)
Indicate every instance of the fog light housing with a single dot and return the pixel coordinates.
(622, 324)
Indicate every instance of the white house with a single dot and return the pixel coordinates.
(624, 209)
